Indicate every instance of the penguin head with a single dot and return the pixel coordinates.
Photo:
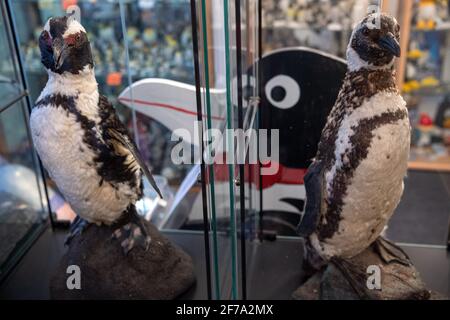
(65, 46)
(374, 43)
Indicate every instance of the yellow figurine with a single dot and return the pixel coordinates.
(426, 18)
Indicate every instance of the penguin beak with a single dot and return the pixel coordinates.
(60, 52)
(390, 44)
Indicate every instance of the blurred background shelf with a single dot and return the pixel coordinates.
(441, 165)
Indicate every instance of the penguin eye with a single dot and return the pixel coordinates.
(282, 91)
(73, 40)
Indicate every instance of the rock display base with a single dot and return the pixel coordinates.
(163, 272)
(398, 281)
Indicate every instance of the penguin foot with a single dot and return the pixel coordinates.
(390, 252)
(77, 227)
(308, 271)
(312, 262)
(132, 234)
(355, 278)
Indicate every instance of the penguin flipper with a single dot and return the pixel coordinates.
(126, 142)
(390, 252)
(314, 189)
(116, 130)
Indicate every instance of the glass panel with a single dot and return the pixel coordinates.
(424, 75)
(322, 25)
(158, 37)
(230, 46)
(302, 44)
(421, 221)
(103, 27)
(143, 62)
(21, 208)
(218, 110)
(243, 88)
(250, 96)
(9, 86)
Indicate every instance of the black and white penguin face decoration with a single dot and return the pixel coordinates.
(298, 89)
(374, 43)
(64, 46)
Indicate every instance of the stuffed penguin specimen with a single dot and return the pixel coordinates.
(356, 179)
(82, 143)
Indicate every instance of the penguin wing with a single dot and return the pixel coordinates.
(314, 182)
(116, 130)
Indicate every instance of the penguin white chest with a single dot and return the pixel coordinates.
(379, 131)
(58, 139)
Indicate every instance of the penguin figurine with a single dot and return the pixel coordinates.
(356, 179)
(84, 146)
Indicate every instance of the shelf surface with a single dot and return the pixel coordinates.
(274, 270)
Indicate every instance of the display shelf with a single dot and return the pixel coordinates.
(269, 280)
(303, 27)
(441, 164)
(440, 90)
(432, 63)
(444, 26)
(427, 160)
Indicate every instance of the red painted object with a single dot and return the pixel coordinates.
(425, 120)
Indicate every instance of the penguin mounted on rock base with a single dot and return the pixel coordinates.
(356, 179)
(82, 143)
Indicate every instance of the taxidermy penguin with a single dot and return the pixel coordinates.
(356, 179)
(82, 143)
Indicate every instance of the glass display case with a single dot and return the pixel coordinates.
(228, 78)
(291, 33)
(130, 40)
(226, 101)
(426, 85)
(421, 75)
(268, 253)
(322, 25)
(144, 63)
(23, 205)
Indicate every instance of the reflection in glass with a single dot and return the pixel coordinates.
(21, 207)
(9, 86)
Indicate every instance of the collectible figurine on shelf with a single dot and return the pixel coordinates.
(427, 14)
(426, 132)
(356, 180)
(95, 164)
(443, 113)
